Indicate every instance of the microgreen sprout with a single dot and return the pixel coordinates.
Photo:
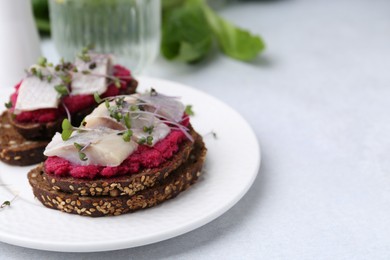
(84, 55)
(49, 78)
(42, 61)
(8, 104)
(148, 129)
(127, 120)
(62, 90)
(149, 140)
(120, 101)
(188, 110)
(114, 113)
(66, 79)
(67, 129)
(39, 74)
(142, 140)
(80, 149)
(7, 203)
(97, 98)
(34, 71)
(127, 135)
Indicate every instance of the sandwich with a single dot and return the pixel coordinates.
(132, 152)
(48, 94)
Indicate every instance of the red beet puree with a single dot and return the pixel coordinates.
(73, 103)
(144, 157)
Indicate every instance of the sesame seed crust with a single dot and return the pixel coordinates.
(97, 206)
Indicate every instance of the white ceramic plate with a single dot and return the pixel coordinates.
(232, 164)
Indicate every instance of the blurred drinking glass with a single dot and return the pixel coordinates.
(129, 29)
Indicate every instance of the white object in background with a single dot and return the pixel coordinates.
(19, 41)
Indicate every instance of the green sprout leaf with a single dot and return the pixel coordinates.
(189, 110)
(97, 98)
(149, 140)
(49, 78)
(127, 120)
(107, 103)
(148, 129)
(6, 203)
(142, 140)
(8, 104)
(39, 74)
(62, 89)
(79, 148)
(127, 135)
(67, 129)
(83, 156)
(42, 61)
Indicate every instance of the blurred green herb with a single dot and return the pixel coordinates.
(191, 26)
(41, 14)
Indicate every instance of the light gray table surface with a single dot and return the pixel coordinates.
(318, 101)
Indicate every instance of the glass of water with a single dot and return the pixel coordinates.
(129, 29)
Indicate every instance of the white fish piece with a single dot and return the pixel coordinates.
(96, 81)
(35, 93)
(167, 106)
(100, 116)
(104, 147)
(159, 132)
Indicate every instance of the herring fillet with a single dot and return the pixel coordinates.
(95, 81)
(105, 147)
(36, 94)
(100, 117)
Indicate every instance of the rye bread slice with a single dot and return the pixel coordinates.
(124, 185)
(37, 131)
(14, 149)
(98, 206)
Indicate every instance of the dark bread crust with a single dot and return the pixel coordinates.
(123, 185)
(15, 149)
(98, 206)
(37, 131)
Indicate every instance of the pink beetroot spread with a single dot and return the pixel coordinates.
(144, 157)
(73, 103)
